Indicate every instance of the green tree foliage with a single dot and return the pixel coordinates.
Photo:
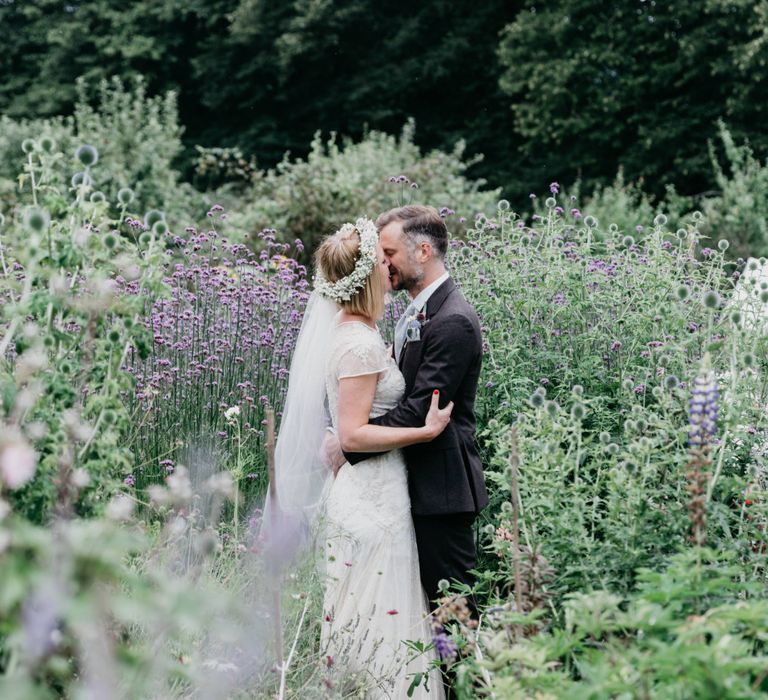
(639, 84)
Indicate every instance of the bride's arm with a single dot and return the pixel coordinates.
(357, 435)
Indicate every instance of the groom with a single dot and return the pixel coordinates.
(437, 347)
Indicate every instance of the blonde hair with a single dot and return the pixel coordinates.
(336, 258)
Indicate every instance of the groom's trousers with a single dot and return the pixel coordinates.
(446, 545)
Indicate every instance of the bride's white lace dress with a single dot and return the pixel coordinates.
(373, 599)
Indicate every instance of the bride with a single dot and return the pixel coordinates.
(342, 371)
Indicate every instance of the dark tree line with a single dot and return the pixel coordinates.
(555, 90)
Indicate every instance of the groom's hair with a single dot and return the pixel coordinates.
(419, 222)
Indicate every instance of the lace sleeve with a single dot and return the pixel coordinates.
(365, 354)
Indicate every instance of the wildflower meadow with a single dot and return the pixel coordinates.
(146, 332)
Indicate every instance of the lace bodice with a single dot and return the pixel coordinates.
(359, 349)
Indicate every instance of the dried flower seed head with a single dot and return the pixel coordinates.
(87, 155)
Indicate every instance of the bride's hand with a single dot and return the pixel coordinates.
(437, 418)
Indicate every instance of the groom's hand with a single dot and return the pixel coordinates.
(331, 452)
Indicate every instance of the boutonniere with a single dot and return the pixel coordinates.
(414, 326)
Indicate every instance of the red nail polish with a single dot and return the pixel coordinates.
(436, 391)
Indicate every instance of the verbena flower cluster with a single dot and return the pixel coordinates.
(345, 288)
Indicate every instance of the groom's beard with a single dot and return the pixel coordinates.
(402, 281)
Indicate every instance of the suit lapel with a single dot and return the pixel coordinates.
(430, 309)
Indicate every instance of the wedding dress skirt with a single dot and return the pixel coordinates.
(373, 601)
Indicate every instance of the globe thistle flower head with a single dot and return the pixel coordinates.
(578, 411)
(160, 228)
(97, 197)
(47, 144)
(590, 221)
(723, 244)
(682, 292)
(152, 217)
(87, 155)
(536, 400)
(671, 382)
(711, 299)
(628, 241)
(660, 220)
(81, 179)
(613, 228)
(125, 195)
(552, 408)
(37, 219)
(550, 202)
(28, 145)
(503, 205)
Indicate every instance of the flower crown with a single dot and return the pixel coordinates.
(345, 288)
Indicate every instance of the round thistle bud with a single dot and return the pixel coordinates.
(97, 197)
(442, 584)
(550, 202)
(657, 392)
(28, 145)
(536, 400)
(613, 228)
(590, 221)
(629, 426)
(87, 155)
(764, 297)
(506, 507)
(660, 220)
(612, 449)
(748, 359)
(671, 382)
(711, 299)
(160, 228)
(37, 219)
(525, 240)
(578, 411)
(152, 217)
(109, 417)
(552, 408)
(683, 292)
(697, 216)
(640, 424)
(114, 336)
(605, 437)
(110, 240)
(645, 443)
(128, 322)
(66, 367)
(627, 384)
(47, 144)
(577, 390)
(49, 341)
(145, 238)
(627, 241)
(488, 529)
(736, 318)
(503, 205)
(125, 196)
(81, 179)
(723, 244)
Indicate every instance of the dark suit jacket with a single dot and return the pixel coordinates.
(445, 475)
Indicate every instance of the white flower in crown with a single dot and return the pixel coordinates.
(345, 288)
